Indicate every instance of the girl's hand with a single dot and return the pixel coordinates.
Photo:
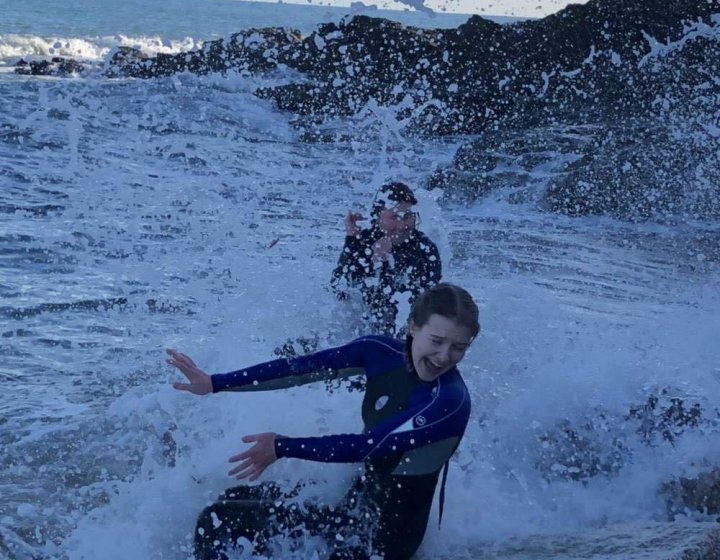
(351, 220)
(200, 382)
(256, 459)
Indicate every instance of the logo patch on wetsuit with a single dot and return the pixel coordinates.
(381, 402)
(420, 420)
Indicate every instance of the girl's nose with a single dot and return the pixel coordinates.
(445, 354)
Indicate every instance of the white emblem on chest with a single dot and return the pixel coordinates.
(381, 402)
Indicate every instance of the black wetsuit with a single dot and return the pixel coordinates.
(411, 430)
(413, 267)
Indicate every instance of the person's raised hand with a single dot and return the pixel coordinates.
(351, 226)
(200, 382)
(256, 459)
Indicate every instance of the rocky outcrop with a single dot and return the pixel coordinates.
(578, 63)
(357, 60)
(578, 453)
(634, 75)
(654, 155)
(663, 160)
(56, 66)
(601, 443)
(515, 159)
(254, 50)
(640, 76)
(638, 170)
(699, 494)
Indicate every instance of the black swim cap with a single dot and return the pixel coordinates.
(397, 192)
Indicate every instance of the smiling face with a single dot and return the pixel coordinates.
(438, 346)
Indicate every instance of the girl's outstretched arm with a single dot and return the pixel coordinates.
(332, 363)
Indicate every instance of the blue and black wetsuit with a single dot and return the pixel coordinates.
(411, 428)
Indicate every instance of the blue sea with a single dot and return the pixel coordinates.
(187, 213)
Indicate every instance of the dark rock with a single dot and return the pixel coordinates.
(699, 494)
(639, 170)
(252, 50)
(305, 99)
(57, 66)
(578, 452)
(577, 63)
(654, 154)
(360, 59)
(665, 416)
(664, 161)
(582, 63)
(510, 158)
(155, 306)
(600, 443)
(104, 304)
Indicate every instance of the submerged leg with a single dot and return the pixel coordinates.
(259, 513)
(255, 513)
(221, 525)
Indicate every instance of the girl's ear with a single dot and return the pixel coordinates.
(412, 327)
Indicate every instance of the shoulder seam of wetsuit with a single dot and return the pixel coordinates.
(373, 338)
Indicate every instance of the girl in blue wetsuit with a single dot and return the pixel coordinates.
(415, 410)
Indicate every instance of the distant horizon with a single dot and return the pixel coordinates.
(488, 8)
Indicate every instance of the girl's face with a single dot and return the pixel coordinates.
(397, 222)
(438, 346)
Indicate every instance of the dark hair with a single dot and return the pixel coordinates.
(450, 301)
(391, 192)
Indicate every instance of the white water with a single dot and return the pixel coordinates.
(173, 190)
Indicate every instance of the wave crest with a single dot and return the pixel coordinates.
(13, 47)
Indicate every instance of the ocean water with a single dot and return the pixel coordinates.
(186, 213)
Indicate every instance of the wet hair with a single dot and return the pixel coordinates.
(450, 301)
(391, 192)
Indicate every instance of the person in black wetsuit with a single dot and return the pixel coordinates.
(415, 411)
(388, 261)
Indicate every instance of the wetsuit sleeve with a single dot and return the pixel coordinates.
(283, 372)
(352, 265)
(444, 418)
